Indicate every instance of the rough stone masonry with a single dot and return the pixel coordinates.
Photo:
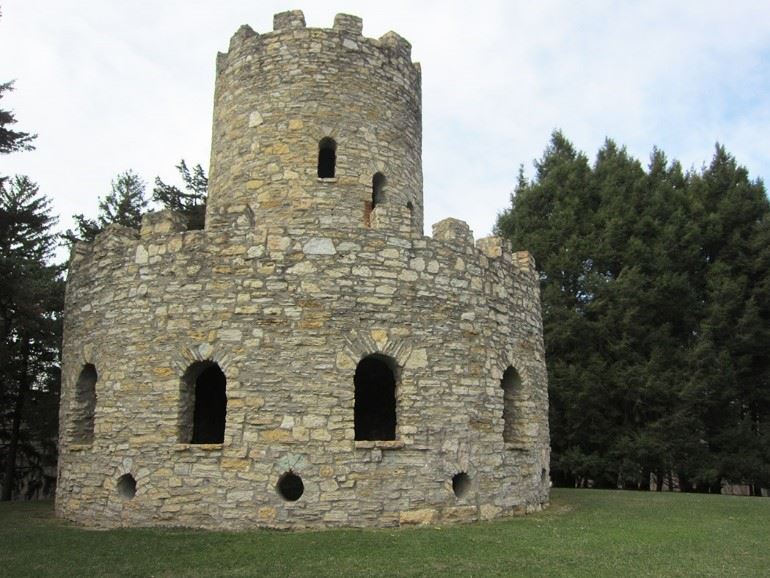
(309, 359)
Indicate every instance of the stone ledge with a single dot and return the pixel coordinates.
(326, 179)
(381, 444)
(201, 447)
(80, 447)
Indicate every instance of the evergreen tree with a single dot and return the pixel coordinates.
(552, 217)
(124, 205)
(656, 313)
(642, 311)
(730, 385)
(11, 140)
(31, 302)
(192, 201)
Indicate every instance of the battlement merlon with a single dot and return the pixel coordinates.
(162, 222)
(459, 234)
(347, 25)
(289, 20)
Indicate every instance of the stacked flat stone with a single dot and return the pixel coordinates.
(294, 281)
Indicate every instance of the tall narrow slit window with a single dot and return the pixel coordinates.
(375, 398)
(378, 189)
(327, 158)
(85, 405)
(511, 384)
(203, 404)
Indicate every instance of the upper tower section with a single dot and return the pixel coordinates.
(315, 127)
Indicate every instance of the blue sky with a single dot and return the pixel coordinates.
(111, 85)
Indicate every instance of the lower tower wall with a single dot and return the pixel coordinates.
(288, 315)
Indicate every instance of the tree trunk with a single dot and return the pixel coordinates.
(13, 446)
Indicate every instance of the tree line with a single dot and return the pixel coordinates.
(32, 301)
(655, 286)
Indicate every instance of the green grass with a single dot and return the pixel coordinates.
(583, 533)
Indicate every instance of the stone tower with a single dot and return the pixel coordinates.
(283, 99)
(309, 358)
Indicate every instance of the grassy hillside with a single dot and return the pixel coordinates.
(583, 533)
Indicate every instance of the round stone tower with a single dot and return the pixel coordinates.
(315, 126)
(310, 358)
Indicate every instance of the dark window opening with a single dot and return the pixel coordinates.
(410, 206)
(378, 189)
(203, 404)
(290, 487)
(511, 384)
(375, 399)
(327, 158)
(127, 487)
(461, 483)
(85, 405)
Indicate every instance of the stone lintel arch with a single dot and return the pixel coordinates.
(359, 344)
(374, 364)
(80, 426)
(388, 189)
(84, 355)
(321, 135)
(125, 468)
(194, 362)
(513, 384)
(203, 352)
(328, 131)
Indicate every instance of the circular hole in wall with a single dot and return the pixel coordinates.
(290, 487)
(461, 483)
(127, 487)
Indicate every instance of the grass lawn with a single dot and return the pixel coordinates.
(583, 533)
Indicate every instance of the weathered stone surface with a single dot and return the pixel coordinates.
(418, 517)
(294, 280)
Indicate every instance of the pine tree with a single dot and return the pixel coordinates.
(10, 140)
(191, 203)
(552, 217)
(124, 205)
(730, 386)
(31, 302)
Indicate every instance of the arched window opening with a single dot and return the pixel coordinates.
(126, 487)
(204, 404)
(85, 405)
(511, 384)
(375, 398)
(327, 158)
(378, 189)
(461, 483)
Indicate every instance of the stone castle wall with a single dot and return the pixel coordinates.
(287, 301)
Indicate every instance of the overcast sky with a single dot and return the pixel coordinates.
(110, 85)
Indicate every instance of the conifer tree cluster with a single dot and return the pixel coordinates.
(31, 302)
(127, 202)
(656, 308)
